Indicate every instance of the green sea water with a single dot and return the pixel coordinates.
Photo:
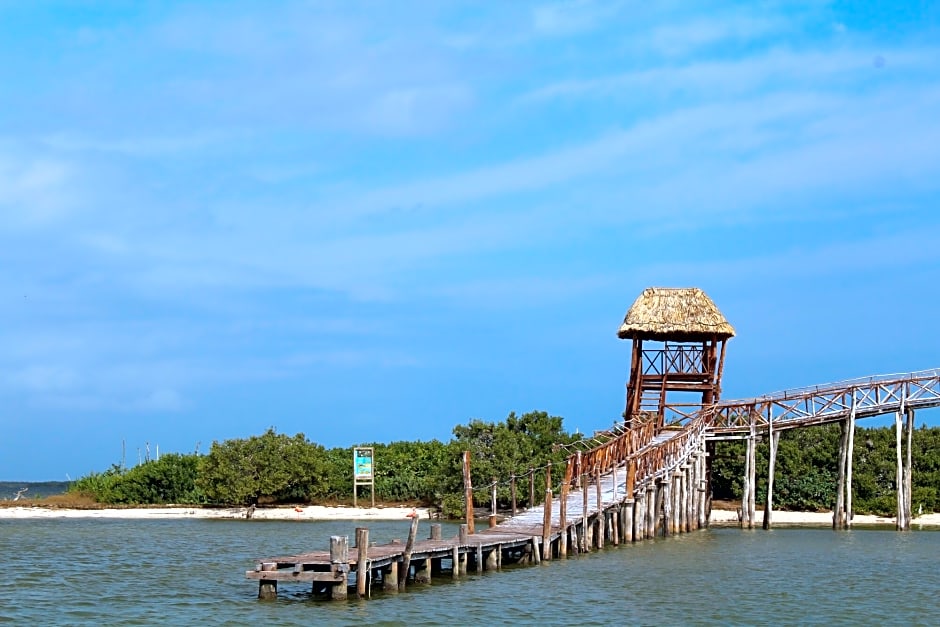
(191, 572)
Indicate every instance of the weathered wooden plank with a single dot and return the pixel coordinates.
(290, 575)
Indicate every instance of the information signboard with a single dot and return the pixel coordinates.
(363, 471)
(362, 458)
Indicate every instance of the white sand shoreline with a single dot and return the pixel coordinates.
(725, 518)
(321, 512)
(309, 513)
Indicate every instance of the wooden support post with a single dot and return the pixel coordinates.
(267, 588)
(493, 503)
(492, 559)
(771, 465)
(639, 516)
(339, 564)
(615, 524)
(435, 531)
(704, 487)
(899, 482)
(849, 510)
(694, 491)
(631, 479)
(908, 473)
(547, 526)
(658, 504)
(601, 527)
(362, 568)
(613, 479)
(752, 481)
(423, 571)
(838, 512)
(468, 495)
(463, 537)
(531, 488)
(585, 545)
(745, 487)
(652, 498)
(629, 504)
(512, 493)
(709, 453)
(668, 525)
(390, 578)
(680, 500)
(687, 492)
(406, 557)
(563, 512)
(577, 470)
(455, 560)
(479, 558)
(747, 496)
(599, 493)
(677, 513)
(535, 550)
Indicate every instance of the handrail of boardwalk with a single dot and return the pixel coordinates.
(653, 454)
(650, 455)
(864, 397)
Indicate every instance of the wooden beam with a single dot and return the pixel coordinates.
(406, 557)
(468, 495)
(324, 576)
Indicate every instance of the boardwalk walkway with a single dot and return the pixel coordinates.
(595, 513)
(636, 484)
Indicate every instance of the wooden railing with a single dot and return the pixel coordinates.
(831, 402)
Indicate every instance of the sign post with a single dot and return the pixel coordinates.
(363, 471)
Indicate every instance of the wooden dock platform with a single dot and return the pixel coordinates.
(593, 513)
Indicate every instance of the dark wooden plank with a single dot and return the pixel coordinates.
(290, 575)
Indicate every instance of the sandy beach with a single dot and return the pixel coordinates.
(724, 518)
(310, 512)
(320, 512)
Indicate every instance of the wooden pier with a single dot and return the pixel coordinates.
(645, 477)
(601, 513)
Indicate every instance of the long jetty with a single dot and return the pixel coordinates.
(591, 511)
(632, 484)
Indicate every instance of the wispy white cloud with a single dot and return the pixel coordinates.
(681, 38)
(568, 17)
(791, 267)
(522, 291)
(774, 71)
(134, 146)
(34, 190)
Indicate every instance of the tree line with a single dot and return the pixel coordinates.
(805, 477)
(275, 468)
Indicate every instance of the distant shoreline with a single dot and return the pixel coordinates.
(719, 518)
(309, 512)
(729, 518)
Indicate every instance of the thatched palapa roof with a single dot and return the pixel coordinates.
(677, 314)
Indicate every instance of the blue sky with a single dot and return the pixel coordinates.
(373, 222)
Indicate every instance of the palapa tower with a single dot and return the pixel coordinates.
(675, 364)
